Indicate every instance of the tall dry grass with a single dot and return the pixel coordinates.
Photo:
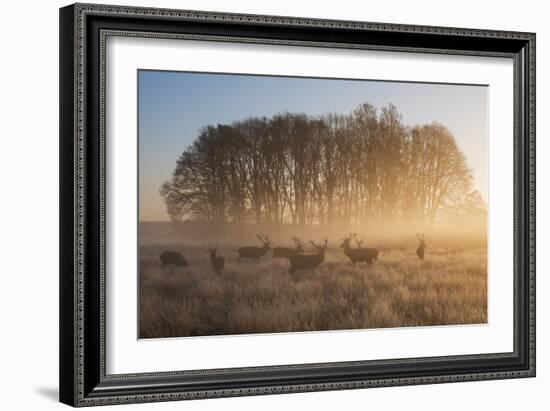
(449, 287)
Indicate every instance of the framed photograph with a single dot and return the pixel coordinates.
(262, 204)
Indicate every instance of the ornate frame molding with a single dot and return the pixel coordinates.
(83, 378)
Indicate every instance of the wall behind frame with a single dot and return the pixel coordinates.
(29, 206)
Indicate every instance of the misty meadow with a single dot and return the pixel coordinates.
(302, 222)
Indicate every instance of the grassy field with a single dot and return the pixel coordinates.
(449, 287)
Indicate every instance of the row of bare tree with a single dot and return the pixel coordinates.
(293, 168)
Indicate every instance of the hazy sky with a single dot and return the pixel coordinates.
(174, 106)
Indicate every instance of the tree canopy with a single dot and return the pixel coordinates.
(337, 168)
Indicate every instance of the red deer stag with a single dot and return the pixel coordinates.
(302, 261)
(359, 254)
(421, 246)
(217, 262)
(254, 253)
(172, 258)
(287, 252)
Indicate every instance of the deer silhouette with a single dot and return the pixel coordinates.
(359, 254)
(287, 252)
(217, 262)
(254, 253)
(174, 258)
(303, 261)
(421, 246)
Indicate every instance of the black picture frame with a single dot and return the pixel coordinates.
(83, 381)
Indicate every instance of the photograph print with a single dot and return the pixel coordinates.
(272, 204)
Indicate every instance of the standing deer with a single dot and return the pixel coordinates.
(172, 258)
(255, 253)
(359, 254)
(421, 246)
(302, 261)
(287, 252)
(217, 262)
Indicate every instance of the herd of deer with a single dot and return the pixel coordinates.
(296, 257)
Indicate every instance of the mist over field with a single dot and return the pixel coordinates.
(448, 287)
(293, 219)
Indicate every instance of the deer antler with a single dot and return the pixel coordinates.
(297, 241)
(263, 238)
(349, 237)
(359, 242)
